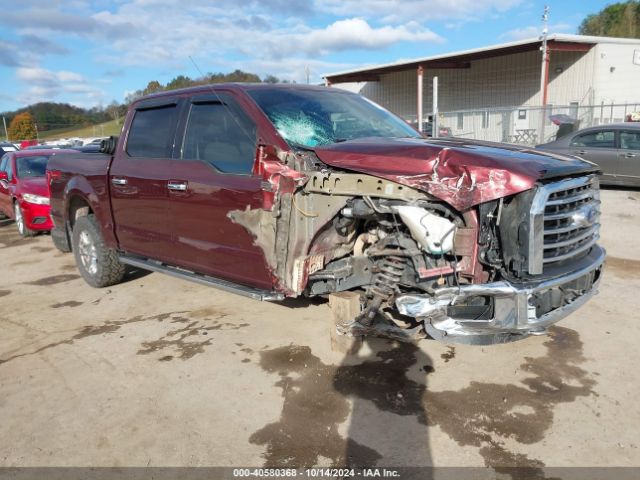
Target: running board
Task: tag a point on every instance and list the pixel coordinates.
(155, 266)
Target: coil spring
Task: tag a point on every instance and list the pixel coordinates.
(391, 270)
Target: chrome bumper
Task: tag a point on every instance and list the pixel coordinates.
(514, 314)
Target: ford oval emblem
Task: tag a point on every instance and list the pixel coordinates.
(585, 217)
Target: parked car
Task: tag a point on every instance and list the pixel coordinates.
(615, 148)
(274, 191)
(42, 147)
(7, 147)
(24, 194)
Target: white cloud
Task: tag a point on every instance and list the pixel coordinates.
(534, 31)
(351, 34)
(47, 85)
(416, 10)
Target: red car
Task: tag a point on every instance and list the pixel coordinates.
(24, 194)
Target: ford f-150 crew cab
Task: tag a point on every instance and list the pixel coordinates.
(282, 191)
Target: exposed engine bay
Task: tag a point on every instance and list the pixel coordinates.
(414, 258)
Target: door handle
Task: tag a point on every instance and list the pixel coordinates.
(580, 152)
(177, 186)
(629, 155)
(119, 181)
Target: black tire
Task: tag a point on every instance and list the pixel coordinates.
(20, 225)
(98, 265)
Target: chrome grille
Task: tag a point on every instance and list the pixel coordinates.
(564, 221)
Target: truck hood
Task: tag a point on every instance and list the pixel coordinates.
(460, 172)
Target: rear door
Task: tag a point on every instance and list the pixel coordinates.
(212, 177)
(629, 156)
(598, 146)
(139, 178)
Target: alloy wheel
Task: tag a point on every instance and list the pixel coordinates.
(19, 218)
(88, 253)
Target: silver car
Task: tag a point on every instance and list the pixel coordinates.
(615, 148)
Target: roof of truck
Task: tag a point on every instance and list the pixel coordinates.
(239, 87)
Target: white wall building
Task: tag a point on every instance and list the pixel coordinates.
(494, 92)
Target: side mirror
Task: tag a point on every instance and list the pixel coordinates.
(4, 176)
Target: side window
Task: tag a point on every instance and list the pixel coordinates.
(152, 132)
(9, 169)
(630, 140)
(221, 134)
(3, 163)
(600, 139)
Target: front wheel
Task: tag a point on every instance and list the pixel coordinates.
(98, 265)
(20, 223)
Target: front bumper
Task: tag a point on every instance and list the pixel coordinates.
(514, 306)
(36, 217)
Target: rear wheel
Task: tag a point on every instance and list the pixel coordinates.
(20, 223)
(60, 240)
(98, 265)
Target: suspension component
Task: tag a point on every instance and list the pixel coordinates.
(391, 269)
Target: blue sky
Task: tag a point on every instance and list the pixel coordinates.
(91, 52)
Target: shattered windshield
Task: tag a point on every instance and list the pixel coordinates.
(320, 117)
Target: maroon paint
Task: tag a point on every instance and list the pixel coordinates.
(460, 174)
(204, 237)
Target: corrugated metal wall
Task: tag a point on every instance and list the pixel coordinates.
(617, 78)
(509, 80)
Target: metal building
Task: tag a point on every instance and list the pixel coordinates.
(497, 92)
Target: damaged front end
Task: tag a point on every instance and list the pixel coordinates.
(483, 266)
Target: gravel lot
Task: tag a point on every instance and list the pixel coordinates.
(161, 372)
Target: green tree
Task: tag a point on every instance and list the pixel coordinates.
(180, 81)
(617, 20)
(22, 127)
(152, 87)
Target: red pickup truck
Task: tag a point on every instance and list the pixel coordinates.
(274, 191)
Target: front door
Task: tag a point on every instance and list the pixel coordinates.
(213, 177)
(139, 181)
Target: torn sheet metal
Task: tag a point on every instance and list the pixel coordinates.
(277, 178)
(459, 173)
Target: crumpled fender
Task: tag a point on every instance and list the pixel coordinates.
(459, 172)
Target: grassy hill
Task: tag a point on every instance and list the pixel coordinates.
(102, 130)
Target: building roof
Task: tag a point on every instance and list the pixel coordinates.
(461, 59)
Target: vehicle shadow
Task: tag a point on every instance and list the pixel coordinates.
(385, 377)
(134, 273)
(301, 302)
(620, 188)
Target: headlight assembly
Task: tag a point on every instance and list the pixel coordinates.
(37, 199)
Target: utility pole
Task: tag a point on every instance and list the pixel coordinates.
(435, 127)
(6, 133)
(420, 107)
(307, 73)
(544, 71)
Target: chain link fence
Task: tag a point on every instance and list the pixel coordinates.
(529, 125)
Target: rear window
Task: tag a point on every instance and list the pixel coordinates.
(630, 140)
(32, 166)
(152, 131)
